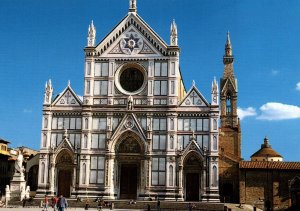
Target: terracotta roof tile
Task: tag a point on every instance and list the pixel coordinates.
(269, 165)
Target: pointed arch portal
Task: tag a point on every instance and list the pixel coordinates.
(64, 166)
(192, 167)
(129, 152)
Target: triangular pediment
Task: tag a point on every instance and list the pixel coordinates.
(131, 43)
(134, 37)
(129, 123)
(193, 146)
(64, 144)
(67, 98)
(194, 99)
(229, 84)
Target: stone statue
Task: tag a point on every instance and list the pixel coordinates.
(19, 163)
(130, 103)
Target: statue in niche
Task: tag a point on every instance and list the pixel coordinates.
(130, 103)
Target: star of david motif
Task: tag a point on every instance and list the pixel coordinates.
(131, 43)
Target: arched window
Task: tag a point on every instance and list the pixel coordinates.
(215, 143)
(42, 172)
(228, 104)
(46, 122)
(85, 141)
(172, 124)
(83, 173)
(171, 183)
(215, 125)
(44, 140)
(171, 142)
(86, 122)
(214, 177)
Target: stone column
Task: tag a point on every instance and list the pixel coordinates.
(180, 182)
(52, 181)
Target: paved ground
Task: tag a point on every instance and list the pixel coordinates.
(51, 209)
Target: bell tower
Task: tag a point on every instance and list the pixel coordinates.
(229, 90)
(230, 131)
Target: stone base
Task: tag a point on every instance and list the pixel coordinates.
(18, 187)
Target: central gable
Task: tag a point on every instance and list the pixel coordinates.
(132, 36)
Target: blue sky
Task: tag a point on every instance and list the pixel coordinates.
(43, 40)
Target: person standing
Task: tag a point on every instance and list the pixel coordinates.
(54, 203)
(62, 203)
(46, 202)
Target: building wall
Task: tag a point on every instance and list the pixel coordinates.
(159, 127)
(258, 185)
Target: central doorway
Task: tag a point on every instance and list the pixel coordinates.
(192, 187)
(128, 181)
(64, 183)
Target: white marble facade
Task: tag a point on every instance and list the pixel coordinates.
(136, 133)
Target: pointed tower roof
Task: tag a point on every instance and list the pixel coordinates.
(265, 151)
(228, 57)
(173, 28)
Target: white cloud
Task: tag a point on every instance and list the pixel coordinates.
(278, 111)
(245, 112)
(298, 86)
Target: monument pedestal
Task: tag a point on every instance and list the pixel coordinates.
(18, 187)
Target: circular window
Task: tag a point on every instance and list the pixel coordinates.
(130, 78)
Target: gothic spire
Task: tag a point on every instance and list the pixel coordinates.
(48, 92)
(228, 57)
(214, 92)
(91, 35)
(132, 6)
(173, 34)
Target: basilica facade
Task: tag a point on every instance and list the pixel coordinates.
(137, 132)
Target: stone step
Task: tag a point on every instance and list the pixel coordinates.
(125, 204)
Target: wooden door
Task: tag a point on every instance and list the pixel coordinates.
(64, 183)
(192, 187)
(128, 181)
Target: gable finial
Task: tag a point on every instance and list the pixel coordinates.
(48, 93)
(193, 83)
(69, 83)
(132, 6)
(174, 34)
(214, 92)
(91, 35)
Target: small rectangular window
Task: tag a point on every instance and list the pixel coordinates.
(54, 123)
(173, 68)
(205, 124)
(88, 68)
(158, 171)
(101, 69)
(161, 69)
(159, 142)
(88, 87)
(78, 123)
(160, 124)
(160, 87)
(97, 170)
(99, 123)
(172, 87)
